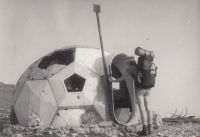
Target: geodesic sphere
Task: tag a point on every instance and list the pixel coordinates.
(66, 84)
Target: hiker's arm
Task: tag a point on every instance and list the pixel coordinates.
(119, 79)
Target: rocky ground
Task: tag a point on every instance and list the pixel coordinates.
(170, 128)
(103, 129)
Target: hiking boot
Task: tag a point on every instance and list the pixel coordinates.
(150, 128)
(144, 131)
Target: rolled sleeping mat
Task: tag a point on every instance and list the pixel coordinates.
(142, 52)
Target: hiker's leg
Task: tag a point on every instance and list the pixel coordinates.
(149, 112)
(144, 132)
(140, 100)
(148, 109)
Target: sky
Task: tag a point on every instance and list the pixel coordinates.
(31, 29)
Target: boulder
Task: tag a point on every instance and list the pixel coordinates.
(157, 119)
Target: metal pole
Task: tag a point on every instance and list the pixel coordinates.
(97, 10)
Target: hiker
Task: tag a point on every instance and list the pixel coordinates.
(147, 74)
(143, 86)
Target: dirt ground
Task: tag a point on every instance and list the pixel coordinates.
(177, 130)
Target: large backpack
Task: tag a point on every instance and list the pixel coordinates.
(148, 70)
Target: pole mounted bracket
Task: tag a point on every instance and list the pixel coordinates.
(96, 8)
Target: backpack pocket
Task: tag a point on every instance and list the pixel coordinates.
(147, 80)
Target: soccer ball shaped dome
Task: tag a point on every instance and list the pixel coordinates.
(63, 87)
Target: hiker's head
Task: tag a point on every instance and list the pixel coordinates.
(130, 60)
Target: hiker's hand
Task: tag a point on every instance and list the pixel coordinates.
(110, 79)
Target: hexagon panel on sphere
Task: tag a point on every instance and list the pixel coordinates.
(92, 81)
(53, 69)
(91, 58)
(86, 97)
(36, 97)
(57, 84)
(37, 73)
(67, 117)
(67, 99)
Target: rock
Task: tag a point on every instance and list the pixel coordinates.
(7, 125)
(68, 127)
(35, 127)
(51, 127)
(37, 119)
(59, 135)
(114, 131)
(75, 126)
(133, 134)
(120, 134)
(40, 131)
(85, 125)
(178, 136)
(39, 135)
(116, 125)
(40, 123)
(85, 136)
(62, 128)
(127, 135)
(28, 129)
(29, 133)
(108, 131)
(62, 132)
(160, 134)
(94, 125)
(87, 130)
(79, 130)
(32, 122)
(17, 135)
(167, 136)
(138, 127)
(123, 130)
(114, 136)
(130, 129)
(97, 131)
(4, 130)
(9, 132)
(49, 131)
(55, 131)
(74, 135)
(157, 120)
(67, 131)
(106, 124)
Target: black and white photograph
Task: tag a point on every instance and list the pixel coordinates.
(99, 68)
